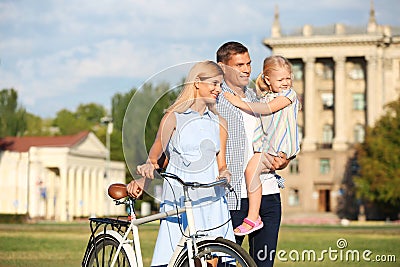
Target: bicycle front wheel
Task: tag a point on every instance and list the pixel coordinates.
(103, 251)
(218, 252)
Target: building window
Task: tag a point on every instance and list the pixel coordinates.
(357, 72)
(300, 133)
(294, 166)
(297, 71)
(327, 134)
(294, 199)
(327, 101)
(328, 71)
(324, 166)
(300, 97)
(359, 133)
(358, 101)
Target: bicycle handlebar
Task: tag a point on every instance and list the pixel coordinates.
(117, 191)
(221, 181)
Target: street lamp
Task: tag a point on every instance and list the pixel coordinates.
(109, 122)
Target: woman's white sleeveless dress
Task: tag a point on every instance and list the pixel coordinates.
(192, 156)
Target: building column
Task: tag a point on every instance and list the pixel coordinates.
(86, 193)
(50, 213)
(79, 195)
(100, 207)
(93, 190)
(310, 140)
(63, 195)
(33, 175)
(379, 90)
(388, 84)
(372, 86)
(71, 194)
(339, 141)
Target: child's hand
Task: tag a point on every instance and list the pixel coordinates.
(233, 99)
(281, 161)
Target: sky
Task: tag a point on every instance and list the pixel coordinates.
(58, 54)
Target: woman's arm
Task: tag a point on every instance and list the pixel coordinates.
(274, 105)
(164, 133)
(221, 156)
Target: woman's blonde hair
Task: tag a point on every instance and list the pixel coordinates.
(272, 63)
(200, 71)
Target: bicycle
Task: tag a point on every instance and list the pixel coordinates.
(110, 244)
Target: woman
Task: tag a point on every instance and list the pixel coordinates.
(193, 136)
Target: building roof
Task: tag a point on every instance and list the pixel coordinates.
(387, 31)
(22, 144)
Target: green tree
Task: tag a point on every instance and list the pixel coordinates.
(92, 113)
(379, 160)
(12, 115)
(68, 123)
(157, 111)
(119, 104)
(86, 117)
(130, 110)
(35, 125)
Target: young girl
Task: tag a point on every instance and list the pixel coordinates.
(194, 137)
(276, 133)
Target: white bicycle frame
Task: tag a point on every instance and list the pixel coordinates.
(189, 238)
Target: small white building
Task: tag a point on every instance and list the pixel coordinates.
(57, 178)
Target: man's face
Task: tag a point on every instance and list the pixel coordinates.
(237, 70)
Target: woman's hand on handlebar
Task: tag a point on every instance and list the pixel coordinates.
(135, 187)
(147, 169)
(225, 174)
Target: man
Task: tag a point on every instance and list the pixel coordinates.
(235, 61)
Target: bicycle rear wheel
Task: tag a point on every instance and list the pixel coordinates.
(103, 250)
(223, 251)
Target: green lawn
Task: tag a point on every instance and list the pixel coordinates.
(42, 245)
(342, 246)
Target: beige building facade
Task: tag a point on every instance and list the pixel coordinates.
(58, 178)
(344, 76)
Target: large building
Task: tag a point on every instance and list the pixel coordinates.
(344, 76)
(58, 178)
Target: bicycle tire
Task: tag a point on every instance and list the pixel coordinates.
(102, 252)
(228, 253)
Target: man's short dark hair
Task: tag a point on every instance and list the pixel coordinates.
(229, 49)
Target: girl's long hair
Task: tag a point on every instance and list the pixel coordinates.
(200, 71)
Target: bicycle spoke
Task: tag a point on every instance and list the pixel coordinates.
(220, 252)
(104, 251)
